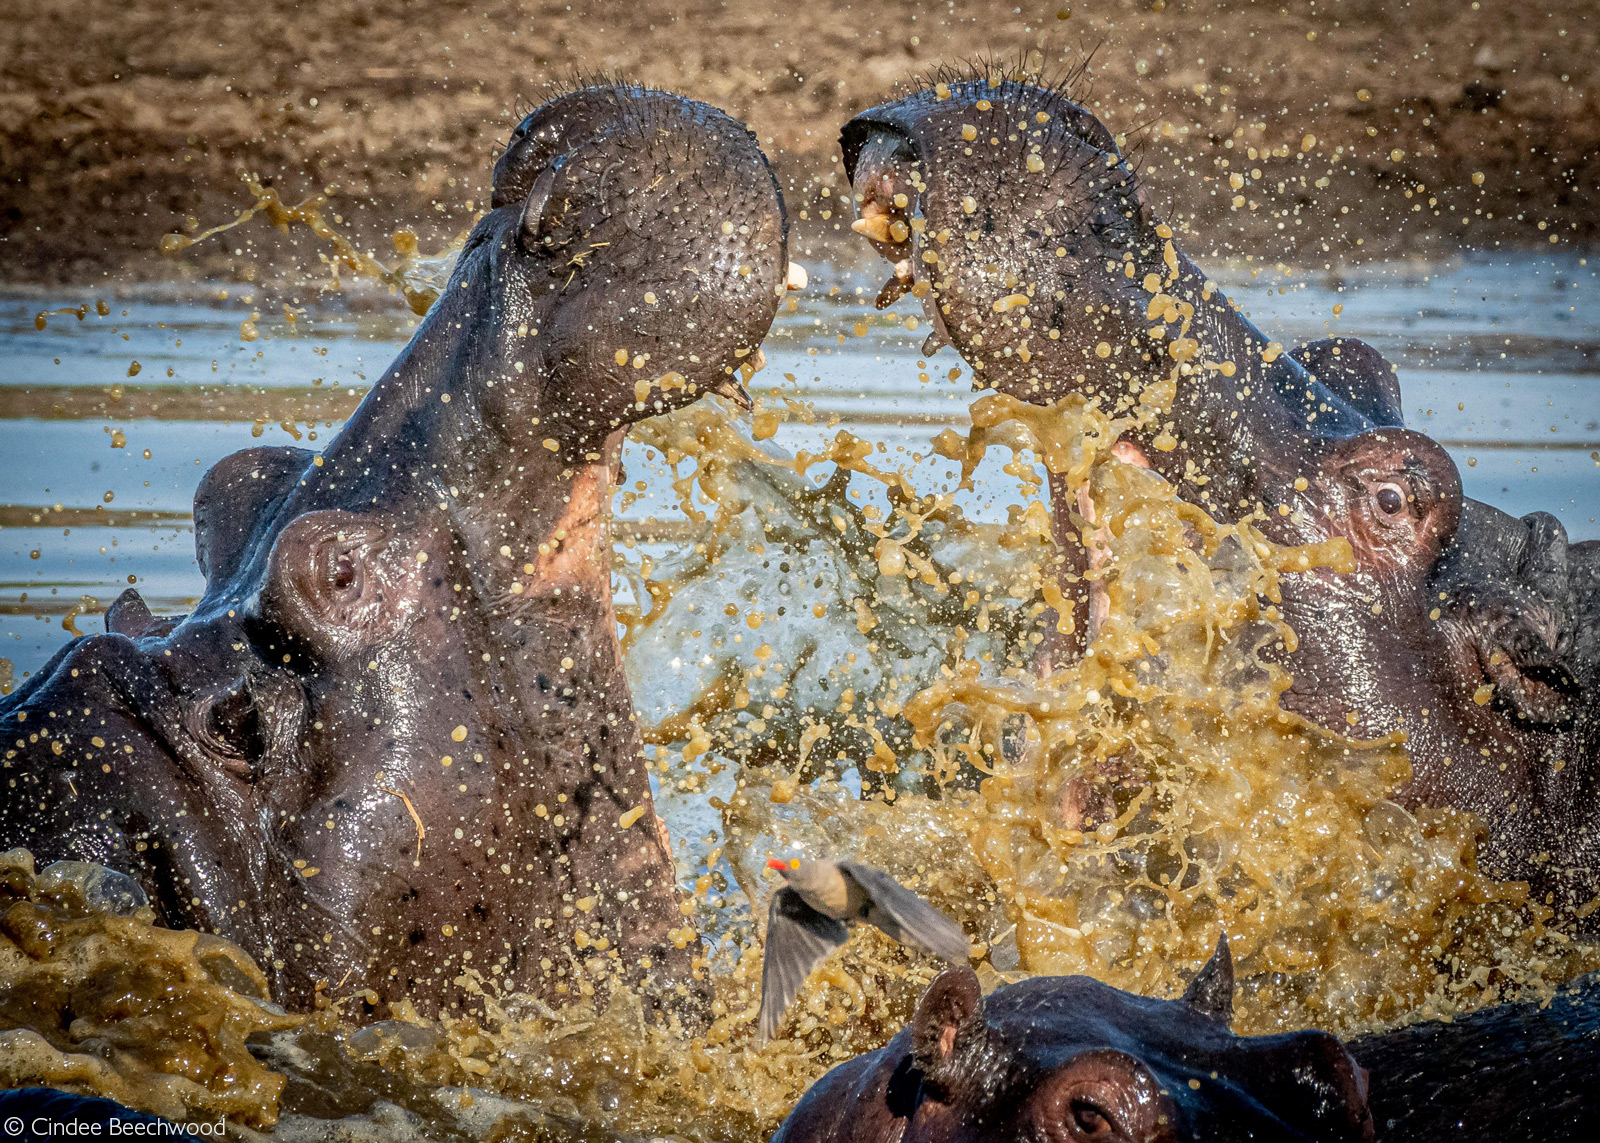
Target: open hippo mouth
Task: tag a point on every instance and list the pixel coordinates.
(998, 124)
(887, 210)
(1009, 211)
(393, 742)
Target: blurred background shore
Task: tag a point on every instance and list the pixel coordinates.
(1354, 129)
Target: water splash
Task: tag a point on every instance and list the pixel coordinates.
(417, 277)
(829, 661)
(101, 1001)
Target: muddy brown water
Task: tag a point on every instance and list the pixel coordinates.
(789, 646)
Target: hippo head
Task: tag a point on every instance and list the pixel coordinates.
(1465, 629)
(617, 331)
(393, 743)
(1012, 213)
(1072, 1060)
(1008, 210)
(1485, 659)
(1014, 216)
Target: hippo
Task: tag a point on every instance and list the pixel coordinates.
(1068, 1058)
(1013, 215)
(1515, 1070)
(392, 751)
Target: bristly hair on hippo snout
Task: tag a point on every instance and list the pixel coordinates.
(1013, 214)
(638, 250)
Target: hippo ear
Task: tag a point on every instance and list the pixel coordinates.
(949, 1017)
(129, 615)
(1210, 993)
(345, 581)
(1358, 373)
(233, 496)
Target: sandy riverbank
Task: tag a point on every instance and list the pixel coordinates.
(119, 120)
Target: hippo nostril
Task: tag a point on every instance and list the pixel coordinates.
(1090, 1120)
(1391, 500)
(227, 724)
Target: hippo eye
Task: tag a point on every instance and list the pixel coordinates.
(344, 572)
(1391, 499)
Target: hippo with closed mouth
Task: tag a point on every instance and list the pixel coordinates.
(1071, 1060)
(1012, 214)
(392, 747)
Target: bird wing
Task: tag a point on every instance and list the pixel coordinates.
(797, 938)
(908, 918)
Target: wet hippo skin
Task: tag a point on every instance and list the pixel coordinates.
(1012, 214)
(1067, 1058)
(393, 743)
(1519, 1071)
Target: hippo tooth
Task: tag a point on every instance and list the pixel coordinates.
(894, 289)
(796, 277)
(875, 227)
(734, 391)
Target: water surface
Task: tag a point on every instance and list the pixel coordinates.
(1499, 360)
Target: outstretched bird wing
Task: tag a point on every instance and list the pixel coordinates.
(797, 938)
(906, 917)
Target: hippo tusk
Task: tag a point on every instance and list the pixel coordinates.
(734, 391)
(796, 278)
(875, 227)
(893, 290)
(1129, 453)
(897, 286)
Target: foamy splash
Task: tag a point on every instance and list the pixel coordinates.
(852, 675)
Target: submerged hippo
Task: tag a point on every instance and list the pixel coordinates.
(1010, 211)
(1071, 1059)
(1523, 1070)
(392, 747)
(1068, 1058)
